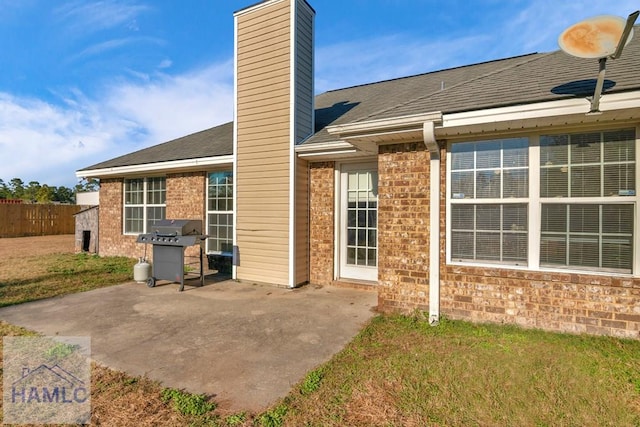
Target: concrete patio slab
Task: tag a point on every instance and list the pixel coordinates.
(245, 344)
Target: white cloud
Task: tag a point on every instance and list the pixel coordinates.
(80, 16)
(165, 63)
(102, 47)
(173, 106)
(39, 141)
(48, 143)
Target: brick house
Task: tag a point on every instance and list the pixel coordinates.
(482, 192)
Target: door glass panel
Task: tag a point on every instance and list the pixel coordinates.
(362, 198)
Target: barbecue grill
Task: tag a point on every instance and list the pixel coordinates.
(170, 238)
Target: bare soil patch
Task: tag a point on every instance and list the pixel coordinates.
(16, 247)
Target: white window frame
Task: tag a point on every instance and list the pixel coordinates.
(535, 205)
(230, 212)
(144, 205)
(477, 201)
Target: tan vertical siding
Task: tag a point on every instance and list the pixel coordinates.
(263, 143)
(302, 222)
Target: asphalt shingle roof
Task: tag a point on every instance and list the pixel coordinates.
(519, 80)
(216, 141)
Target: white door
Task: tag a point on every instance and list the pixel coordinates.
(359, 222)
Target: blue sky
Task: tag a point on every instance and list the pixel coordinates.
(84, 81)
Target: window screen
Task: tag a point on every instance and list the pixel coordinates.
(487, 224)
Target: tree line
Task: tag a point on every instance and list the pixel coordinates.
(34, 192)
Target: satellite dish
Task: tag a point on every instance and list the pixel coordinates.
(598, 37)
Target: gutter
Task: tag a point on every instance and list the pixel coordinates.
(153, 167)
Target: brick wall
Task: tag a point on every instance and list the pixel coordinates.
(185, 200)
(576, 303)
(186, 193)
(112, 241)
(403, 227)
(554, 301)
(321, 222)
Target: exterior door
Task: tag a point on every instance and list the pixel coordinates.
(359, 222)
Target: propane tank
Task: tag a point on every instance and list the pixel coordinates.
(141, 271)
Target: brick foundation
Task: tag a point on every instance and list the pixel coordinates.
(576, 303)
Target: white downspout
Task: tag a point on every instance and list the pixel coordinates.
(434, 222)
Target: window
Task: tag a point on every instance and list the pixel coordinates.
(220, 212)
(582, 200)
(592, 174)
(489, 188)
(144, 203)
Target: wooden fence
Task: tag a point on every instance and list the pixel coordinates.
(36, 220)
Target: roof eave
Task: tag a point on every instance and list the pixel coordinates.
(169, 166)
(567, 112)
(620, 107)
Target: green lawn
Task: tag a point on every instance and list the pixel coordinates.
(401, 372)
(47, 276)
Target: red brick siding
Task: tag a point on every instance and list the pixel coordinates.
(185, 200)
(112, 241)
(321, 222)
(555, 301)
(578, 303)
(186, 193)
(403, 227)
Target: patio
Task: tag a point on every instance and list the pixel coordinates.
(245, 344)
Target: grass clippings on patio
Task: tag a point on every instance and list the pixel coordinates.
(32, 278)
(401, 372)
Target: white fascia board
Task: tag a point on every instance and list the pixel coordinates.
(325, 146)
(568, 107)
(362, 128)
(170, 166)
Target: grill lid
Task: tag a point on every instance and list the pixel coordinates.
(177, 227)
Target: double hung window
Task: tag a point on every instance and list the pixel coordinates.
(563, 201)
(587, 190)
(144, 203)
(489, 189)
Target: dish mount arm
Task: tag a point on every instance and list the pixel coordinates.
(595, 101)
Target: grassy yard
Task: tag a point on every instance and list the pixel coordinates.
(401, 372)
(31, 278)
(397, 372)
